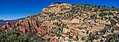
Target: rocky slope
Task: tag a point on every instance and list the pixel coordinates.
(62, 22)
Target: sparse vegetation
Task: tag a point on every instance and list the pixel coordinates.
(13, 36)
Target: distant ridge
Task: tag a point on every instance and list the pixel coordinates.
(2, 22)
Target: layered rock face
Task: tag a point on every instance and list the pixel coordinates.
(69, 23)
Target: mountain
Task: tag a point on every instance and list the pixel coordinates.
(2, 22)
(63, 22)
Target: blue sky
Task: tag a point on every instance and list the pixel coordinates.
(14, 9)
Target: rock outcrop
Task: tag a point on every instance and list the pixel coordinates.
(66, 22)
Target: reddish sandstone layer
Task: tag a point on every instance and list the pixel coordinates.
(25, 25)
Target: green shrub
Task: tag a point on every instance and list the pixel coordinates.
(114, 39)
(90, 37)
(13, 36)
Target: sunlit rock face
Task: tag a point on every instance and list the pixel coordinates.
(58, 8)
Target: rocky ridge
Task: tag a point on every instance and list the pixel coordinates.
(69, 23)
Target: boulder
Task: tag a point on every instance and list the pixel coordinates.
(75, 21)
(65, 30)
